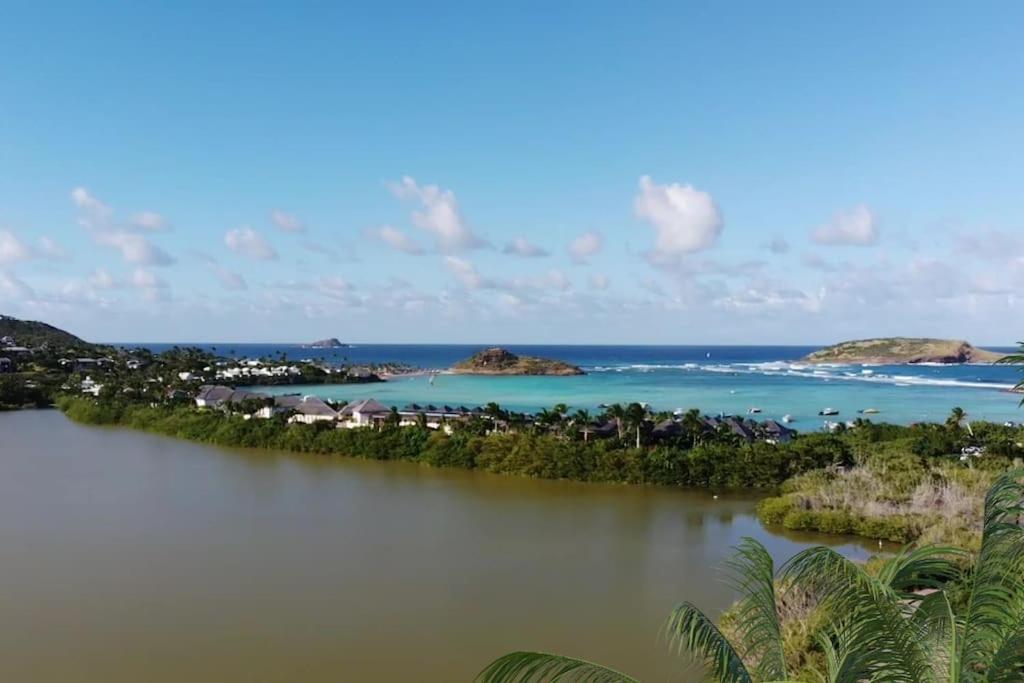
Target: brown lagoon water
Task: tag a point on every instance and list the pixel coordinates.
(131, 557)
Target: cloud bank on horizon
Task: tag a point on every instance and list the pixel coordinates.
(783, 188)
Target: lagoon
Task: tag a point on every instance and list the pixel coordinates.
(128, 556)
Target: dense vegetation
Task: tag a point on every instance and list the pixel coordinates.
(905, 486)
(716, 465)
(32, 333)
(927, 615)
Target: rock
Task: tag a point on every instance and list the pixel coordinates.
(498, 361)
(331, 343)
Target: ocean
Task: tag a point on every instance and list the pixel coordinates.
(714, 379)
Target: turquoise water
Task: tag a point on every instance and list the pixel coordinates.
(728, 380)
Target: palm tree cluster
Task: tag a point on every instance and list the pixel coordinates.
(898, 625)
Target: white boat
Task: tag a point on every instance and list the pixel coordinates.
(753, 411)
(828, 411)
(787, 418)
(870, 411)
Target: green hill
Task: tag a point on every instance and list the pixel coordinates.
(898, 350)
(35, 334)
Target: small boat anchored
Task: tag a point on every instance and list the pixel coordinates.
(869, 411)
(828, 411)
(787, 418)
(753, 411)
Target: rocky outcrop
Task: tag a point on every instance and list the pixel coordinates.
(900, 350)
(497, 361)
(331, 343)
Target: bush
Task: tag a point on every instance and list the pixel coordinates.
(774, 510)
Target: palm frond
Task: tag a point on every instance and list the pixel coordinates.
(868, 613)
(1007, 665)
(843, 663)
(924, 567)
(1015, 359)
(939, 632)
(752, 575)
(688, 628)
(541, 667)
(996, 608)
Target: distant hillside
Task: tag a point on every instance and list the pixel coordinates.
(898, 350)
(498, 361)
(33, 334)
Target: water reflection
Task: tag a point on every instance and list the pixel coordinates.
(131, 557)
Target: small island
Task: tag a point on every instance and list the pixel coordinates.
(498, 361)
(332, 343)
(902, 350)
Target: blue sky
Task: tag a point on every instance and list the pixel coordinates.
(544, 172)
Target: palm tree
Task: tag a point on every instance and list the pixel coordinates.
(873, 628)
(582, 420)
(617, 413)
(636, 416)
(693, 426)
(957, 418)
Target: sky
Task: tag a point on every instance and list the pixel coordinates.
(571, 172)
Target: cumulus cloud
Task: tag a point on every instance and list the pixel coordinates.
(51, 249)
(148, 221)
(521, 247)
(685, 219)
(599, 281)
(286, 222)
(396, 239)
(12, 249)
(14, 288)
(466, 273)
(855, 227)
(152, 287)
(98, 218)
(247, 242)
(585, 246)
(439, 215)
(816, 262)
(992, 245)
(135, 249)
(778, 246)
(102, 279)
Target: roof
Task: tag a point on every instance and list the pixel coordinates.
(214, 393)
(367, 406)
(311, 405)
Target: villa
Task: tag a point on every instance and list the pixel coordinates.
(364, 413)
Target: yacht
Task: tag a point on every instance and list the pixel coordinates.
(828, 411)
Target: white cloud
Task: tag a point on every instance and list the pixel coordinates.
(12, 249)
(778, 246)
(135, 249)
(12, 287)
(95, 211)
(148, 221)
(521, 247)
(466, 273)
(396, 239)
(145, 279)
(685, 219)
(993, 245)
(855, 227)
(585, 246)
(599, 281)
(816, 262)
(249, 243)
(439, 215)
(286, 222)
(102, 279)
(51, 249)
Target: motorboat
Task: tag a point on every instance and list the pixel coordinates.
(787, 418)
(828, 411)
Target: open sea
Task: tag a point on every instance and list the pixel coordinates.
(714, 379)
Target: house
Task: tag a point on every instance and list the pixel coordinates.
(364, 413)
(89, 386)
(776, 432)
(310, 409)
(213, 395)
(666, 429)
(6, 365)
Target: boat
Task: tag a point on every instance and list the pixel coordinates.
(787, 418)
(753, 411)
(869, 411)
(828, 411)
